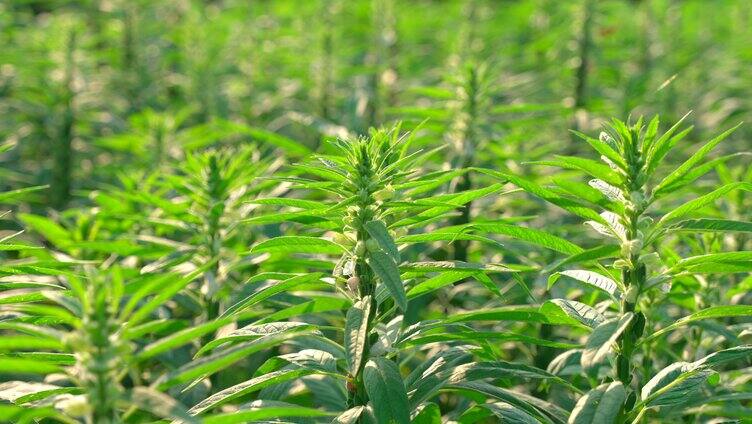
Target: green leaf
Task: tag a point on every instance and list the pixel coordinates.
(709, 313)
(568, 204)
(387, 270)
(48, 228)
(500, 370)
(482, 337)
(316, 304)
(311, 359)
(297, 244)
(502, 411)
(429, 414)
(377, 230)
(659, 148)
(268, 291)
(289, 145)
(160, 404)
(265, 411)
(222, 359)
(716, 262)
(709, 224)
(254, 331)
(603, 148)
(386, 390)
(530, 235)
(693, 161)
(591, 278)
(603, 336)
(701, 201)
(581, 312)
(444, 234)
(163, 295)
(12, 247)
(724, 356)
(437, 282)
(13, 194)
(351, 416)
(698, 172)
(673, 384)
(447, 266)
(26, 366)
(511, 313)
(600, 406)
(289, 201)
(356, 333)
(180, 338)
(600, 252)
(13, 342)
(20, 392)
(593, 168)
(544, 411)
(250, 386)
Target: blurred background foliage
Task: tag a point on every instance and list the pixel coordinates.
(91, 88)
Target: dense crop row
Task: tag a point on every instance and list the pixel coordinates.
(414, 251)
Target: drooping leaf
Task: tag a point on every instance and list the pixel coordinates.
(379, 232)
(356, 333)
(600, 342)
(160, 404)
(387, 271)
(591, 278)
(502, 411)
(386, 390)
(581, 312)
(600, 405)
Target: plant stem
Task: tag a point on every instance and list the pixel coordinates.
(465, 140)
(61, 173)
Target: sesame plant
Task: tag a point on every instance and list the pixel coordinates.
(640, 274)
(374, 212)
(358, 373)
(82, 338)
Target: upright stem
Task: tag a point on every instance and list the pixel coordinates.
(581, 74)
(213, 235)
(361, 214)
(465, 140)
(129, 57)
(63, 152)
(584, 55)
(381, 59)
(326, 71)
(634, 274)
